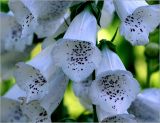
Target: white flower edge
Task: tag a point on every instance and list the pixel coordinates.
(11, 35)
(146, 107)
(11, 111)
(114, 91)
(77, 58)
(138, 20)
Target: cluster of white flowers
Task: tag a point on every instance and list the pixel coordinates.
(42, 81)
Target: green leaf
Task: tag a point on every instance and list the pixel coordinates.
(4, 6)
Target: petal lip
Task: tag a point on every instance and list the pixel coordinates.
(77, 58)
(31, 81)
(114, 91)
(137, 25)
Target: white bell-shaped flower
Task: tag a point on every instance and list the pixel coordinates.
(114, 88)
(146, 107)
(107, 13)
(23, 16)
(138, 19)
(11, 111)
(38, 76)
(81, 90)
(77, 53)
(35, 112)
(47, 16)
(11, 33)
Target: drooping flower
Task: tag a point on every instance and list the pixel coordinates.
(138, 19)
(120, 118)
(23, 16)
(107, 13)
(11, 32)
(15, 109)
(114, 88)
(35, 112)
(77, 53)
(42, 17)
(39, 76)
(11, 111)
(146, 107)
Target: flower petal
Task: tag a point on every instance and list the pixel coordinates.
(77, 58)
(52, 27)
(35, 112)
(146, 107)
(107, 13)
(114, 91)
(11, 111)
(127, 118)
(110, 61)
(11, 34)
(49, 15)
(56, 91)
(23, 16)
(81, 90)
(32, 81)
(83, 27)
(152, 94)
(15, 93)
(137, 26)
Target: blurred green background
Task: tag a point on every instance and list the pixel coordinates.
(132, 57)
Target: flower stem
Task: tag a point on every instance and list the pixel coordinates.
(149, 73)
(95, 119)
(58, 113)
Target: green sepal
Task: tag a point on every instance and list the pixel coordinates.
(104, 43)
(78, 8)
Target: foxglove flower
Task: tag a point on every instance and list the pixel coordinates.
(107, 13)
(77, 53)
(38, 76)
(16, 110)
(138, 19)
(42, 17)
(114, 88)
(146, 107)
(81, 90)
(11, 32)
(35, 112)
(23, 16)
(121, 118)
(11, 111)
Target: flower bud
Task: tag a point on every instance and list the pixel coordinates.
(152, 50)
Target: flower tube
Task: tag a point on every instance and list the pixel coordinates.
(38, 76)
(42, 17)
(146, 106)
(77, 53)
(114, 88)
